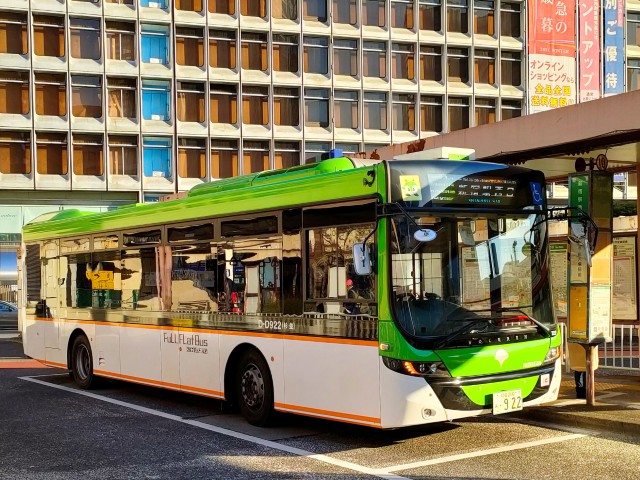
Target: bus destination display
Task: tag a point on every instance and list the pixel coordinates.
(490, 191)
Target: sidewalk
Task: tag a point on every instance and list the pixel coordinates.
(617, 408)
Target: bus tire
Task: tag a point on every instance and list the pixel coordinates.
(254, 389)
(82, 363)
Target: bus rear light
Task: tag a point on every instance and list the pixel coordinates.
(516, 321)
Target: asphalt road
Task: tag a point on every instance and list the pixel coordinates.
(51, 430)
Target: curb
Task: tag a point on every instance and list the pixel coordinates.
(581, 420)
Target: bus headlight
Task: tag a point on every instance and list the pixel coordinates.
(419, 369)
(552, 355)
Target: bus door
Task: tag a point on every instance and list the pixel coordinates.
(53, 270)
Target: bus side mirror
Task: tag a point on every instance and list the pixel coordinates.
(361, 259)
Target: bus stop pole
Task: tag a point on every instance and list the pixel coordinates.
(591, 352)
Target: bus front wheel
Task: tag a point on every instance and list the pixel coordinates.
(254, 389)
(82, 363)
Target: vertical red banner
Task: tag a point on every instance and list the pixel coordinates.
(552, 54)
(589, 49)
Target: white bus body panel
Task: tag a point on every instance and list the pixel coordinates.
(200, 370)
(141, 354)
(338, 380)
(414, 393)
(33, 338)
(106, 355)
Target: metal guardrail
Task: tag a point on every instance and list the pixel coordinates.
(624, 351)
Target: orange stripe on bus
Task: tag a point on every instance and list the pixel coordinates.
(301, 338)
(50, 363)
(146, 381)
(317, 411)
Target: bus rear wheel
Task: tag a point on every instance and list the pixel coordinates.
(82, 363)
(254, 389)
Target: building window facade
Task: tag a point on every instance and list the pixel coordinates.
(122, 94)
(458, 65)
(255, 105)
(48, 36)
(14, 92)
(511, 109)
(375, 110)
(222, 49)
(156, 100)
(189, 5)
(15, 153)
(190, 102)
(633, 74)
(315, 10)
(254, 51)
(402, 14)
(154, 44)
(430, 15)
(404, 112)
(255, 156)
(223, 103)
(284, 9)
(86, 96)
(156, 156)
(51, 153)
(511, 65)
(345, 11)
(345, 105)
(285, 53)
(224, 158)
(345, 57)
(316, 107)
(403, 61)
(51, 94)
(192, 158)
(485, 66)
(87, 155)
(286, 154)
(85, 38)
(374, 59)
(253, 8)
(431, 63)
(13, 33)
(224, 7)
(190, 47)
(458, 113)
(510, 23)
(374, 13)
(121, 41)
(123, 155)
(431, 113)
(286, 105)
(484, 17)
(485, 111)
(458, 16)
(316, 55)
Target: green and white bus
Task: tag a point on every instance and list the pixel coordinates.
(385, 294)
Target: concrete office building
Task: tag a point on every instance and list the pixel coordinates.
(106, 102)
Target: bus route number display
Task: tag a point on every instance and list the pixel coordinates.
(450, 189)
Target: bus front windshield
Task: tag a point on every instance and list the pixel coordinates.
(452, 271)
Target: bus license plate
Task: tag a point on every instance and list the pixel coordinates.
(508, 401)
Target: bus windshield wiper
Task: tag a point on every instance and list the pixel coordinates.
(541, 326)
(466, 329)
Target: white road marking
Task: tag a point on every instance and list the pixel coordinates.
(608, 395)
(230, 433)
(386, 473)
(482, 453)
